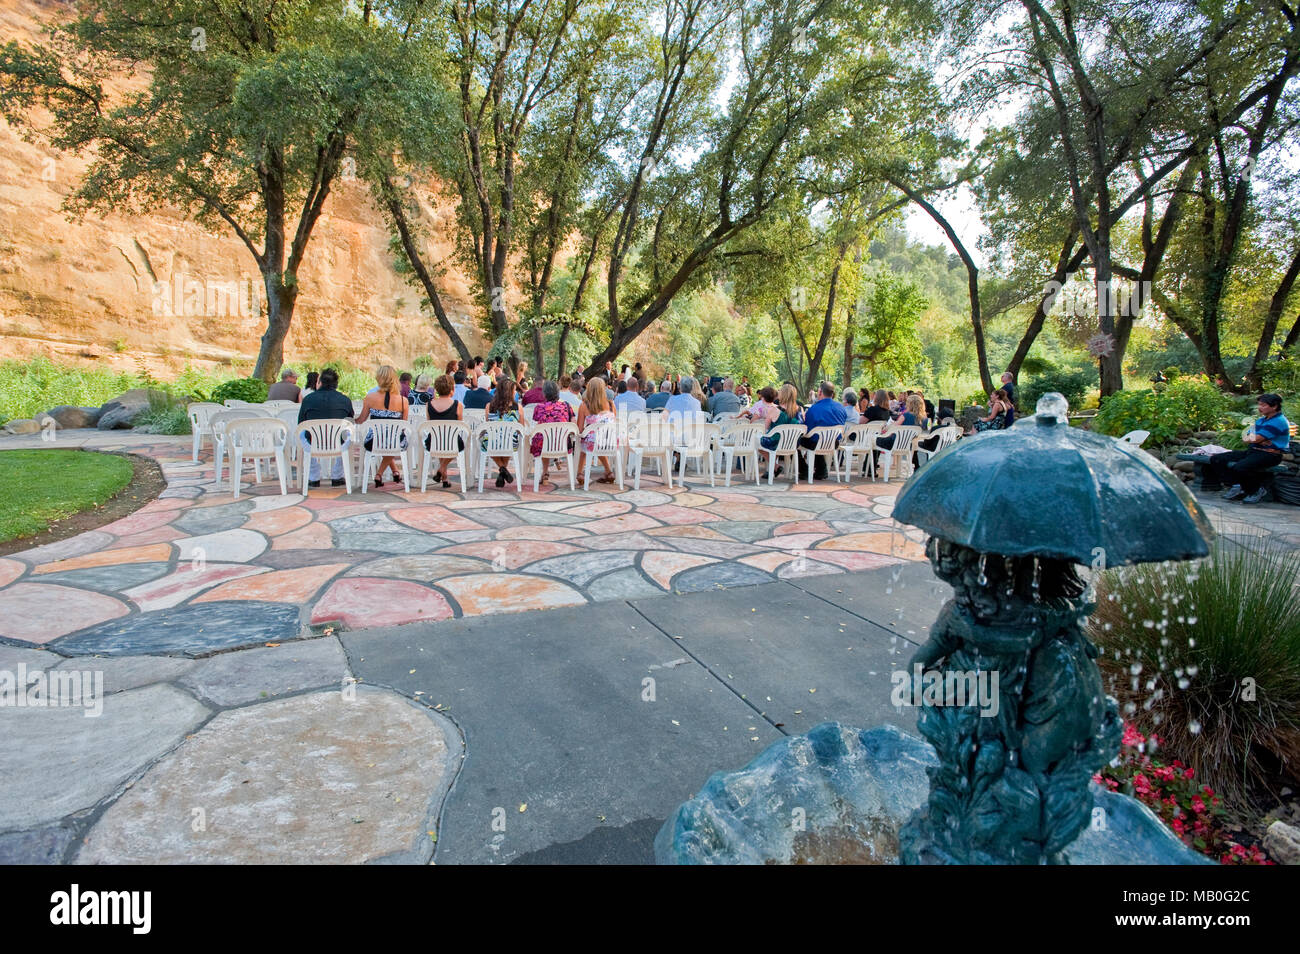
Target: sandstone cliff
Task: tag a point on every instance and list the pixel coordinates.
(158, 291)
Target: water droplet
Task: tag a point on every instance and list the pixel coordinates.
(1194, 727)
(1184, 682)
(1191, 621)
(1135, 668)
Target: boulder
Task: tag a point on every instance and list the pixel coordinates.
(1207, 436)
(67, 415)
(22, 425)
(122, 411)
(1282, 842)
(1184, 466)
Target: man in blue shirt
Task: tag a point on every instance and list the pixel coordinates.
(825, 412)
(628, 399)
(458, 393)
(659, 399)
(1244, 469)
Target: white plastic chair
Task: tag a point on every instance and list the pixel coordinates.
(257, 439)
(787, 446)
(651, 439)
(448, 441)
(327, 440)
(218, 423)
(605, 443)
(234, 403)
(947, 435)
(859, 439)
(292, 449)
(740, 441)
(388, 438)
(558, 440)
(503, 439)
(278, 406)
(529, 410)
(200, 414)
(901, 451)
(1136, 438)
(695, 441)
(828, 439)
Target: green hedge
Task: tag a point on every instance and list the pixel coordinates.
(252, 390)
(1187, 404)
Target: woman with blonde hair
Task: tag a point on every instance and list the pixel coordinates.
(595, 409)
(788, 412)
(384, 403)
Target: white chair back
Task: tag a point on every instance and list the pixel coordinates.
(257, 437)
(233, 402)
(500, 437)
(744, 437)
(863, 434)
(529, 410)
(787, 437)
(200, 413)
(278, 406)
(220, 420)
(605, 437)
(1136, 438)
(656, 433)
(475, 415)
(327, 437)
(442, 437)
(556, 438)
(388, 437)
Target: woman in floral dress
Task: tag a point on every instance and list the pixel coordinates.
(551, 410)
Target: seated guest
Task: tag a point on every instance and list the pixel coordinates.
(569, 392)
(286, 389)
(824, 412)
(723, 401)
(629, 398)
(458, 386)
(660, 398)
(385, 403)
(326, 403)
(404, 380)
(1001, 413)
(443, 406)
(914, 411)
(879, 409)
(684, 402)
(595, 409)
(481, 396)
(312, 378)
(764, 410)
(851, 415)
(502, 408)
(550, 410)
(787, 412)
(1269, 438)
(422, 393)
(534, 395)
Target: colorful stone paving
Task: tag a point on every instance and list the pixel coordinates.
(195, 571)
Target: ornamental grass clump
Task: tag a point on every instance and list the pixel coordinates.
(1207, 655)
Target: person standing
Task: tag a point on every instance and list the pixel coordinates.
(1266, 441)
(1009, 385)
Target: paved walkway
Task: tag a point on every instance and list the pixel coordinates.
(196, 572)
(219, 721)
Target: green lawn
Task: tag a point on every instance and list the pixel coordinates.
(42, 486)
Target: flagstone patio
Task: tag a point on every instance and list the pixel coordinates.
(195, 571)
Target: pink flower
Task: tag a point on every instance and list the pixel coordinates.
(1131, 735)
(1198, 804)
(1140, 784)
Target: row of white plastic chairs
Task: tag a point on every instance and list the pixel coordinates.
(262, 433)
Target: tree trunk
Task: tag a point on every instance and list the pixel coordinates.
(398, 215)
(1275, 307)
(1066, 266)
(280, 300)
(562, 354)
(848, 354)
(539, 359)
(815, 359)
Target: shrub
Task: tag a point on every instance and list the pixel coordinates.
(252, 390)
(1194, 812)
(1209, 655)
(1187, 404)
(1070, 382)
(1282, 375)
(164, 417)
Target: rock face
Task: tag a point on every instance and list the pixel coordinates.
(840, 795)
(65, 415)
(122, 411)
(23, 425)
(157, 290)
(1282, 842)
